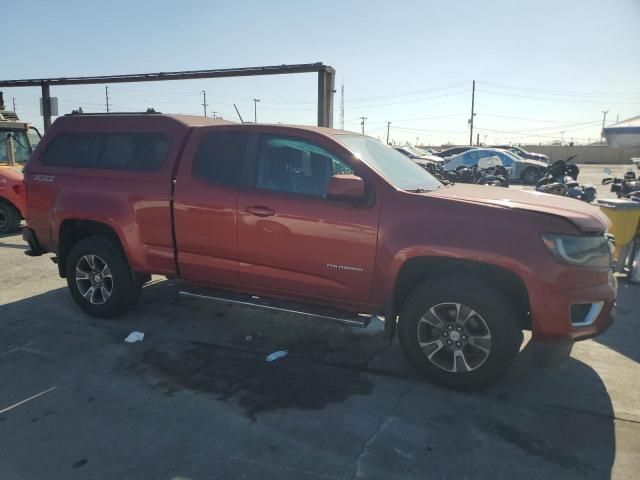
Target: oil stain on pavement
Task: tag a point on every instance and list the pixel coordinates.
(256, 385)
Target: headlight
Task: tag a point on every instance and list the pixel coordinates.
(582, 250)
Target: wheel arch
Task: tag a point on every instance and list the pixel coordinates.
(72, 230)
(419, 269)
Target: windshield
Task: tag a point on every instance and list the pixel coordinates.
(399, 170)
(21, 148)
(511, 155)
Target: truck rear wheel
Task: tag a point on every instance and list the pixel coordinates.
(100, 279)
(458, 333)
(9, 218)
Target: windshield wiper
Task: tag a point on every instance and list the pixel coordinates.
(417, 190)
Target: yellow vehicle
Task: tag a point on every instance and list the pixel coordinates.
(17, 141)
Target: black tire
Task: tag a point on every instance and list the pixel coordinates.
(9, 218)
(124, 292)
(493, 310)
(531, 175)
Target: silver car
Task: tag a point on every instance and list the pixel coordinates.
(528, 171)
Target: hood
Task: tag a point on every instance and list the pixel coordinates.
(536, 163)
(11, 173)
(587, 217)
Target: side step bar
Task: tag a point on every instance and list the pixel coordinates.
(330, 314)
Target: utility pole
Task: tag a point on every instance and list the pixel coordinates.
(204, 101)
(213, 115)
(485, 139)
(362, 119)
(342, 107)
(106, 96)
(473, 98)
(388, 125)
(477, 139)
(255, 110)
(604, 117)
(14, 104)
(618, 118)
(238, 112)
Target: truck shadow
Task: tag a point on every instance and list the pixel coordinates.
(560, 418)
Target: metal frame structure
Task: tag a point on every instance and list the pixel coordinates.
(326, 83)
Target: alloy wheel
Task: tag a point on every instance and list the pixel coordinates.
(94, 279)
(454, 337)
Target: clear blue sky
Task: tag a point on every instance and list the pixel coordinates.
(541, 67)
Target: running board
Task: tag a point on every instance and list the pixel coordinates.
(330, 314)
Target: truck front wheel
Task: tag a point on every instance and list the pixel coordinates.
(459, 333)
(99, 278)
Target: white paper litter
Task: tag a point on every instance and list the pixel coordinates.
(276, 355)
(134, 337)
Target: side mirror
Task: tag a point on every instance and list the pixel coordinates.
(345, 187)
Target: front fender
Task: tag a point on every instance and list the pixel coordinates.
(465, 254)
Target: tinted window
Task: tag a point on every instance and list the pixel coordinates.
(220, 157)
(111, 151)
(296, 166)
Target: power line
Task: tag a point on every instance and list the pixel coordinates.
(405, 94)
(531, 97)
(560, 92)
(415, 100)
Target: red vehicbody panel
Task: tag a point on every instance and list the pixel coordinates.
(205, 223)
(308, 245)
(135, 204)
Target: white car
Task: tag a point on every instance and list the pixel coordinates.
(416, 154)
(528, 171)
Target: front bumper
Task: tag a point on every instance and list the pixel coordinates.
(554, 330)
(551, 352)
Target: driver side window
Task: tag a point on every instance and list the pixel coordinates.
(296, 166)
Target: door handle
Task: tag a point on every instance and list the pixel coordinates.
(260, 211)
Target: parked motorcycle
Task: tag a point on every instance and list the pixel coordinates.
(561, 178)
(495, 175)
(626, 187)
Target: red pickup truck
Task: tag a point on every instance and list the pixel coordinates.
(322, 222)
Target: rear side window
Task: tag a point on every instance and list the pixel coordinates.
(142, 152)
(220, 157)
